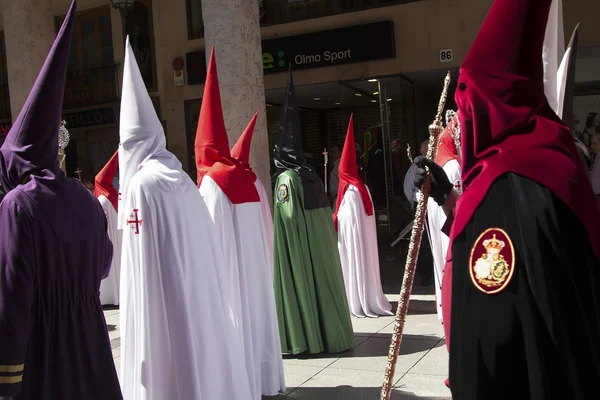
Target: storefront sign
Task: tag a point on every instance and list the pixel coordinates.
(334, 47)
(89, 118)
(354, 44)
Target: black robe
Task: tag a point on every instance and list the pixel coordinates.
(539, 338)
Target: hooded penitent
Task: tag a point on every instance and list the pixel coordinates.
(506, 122)
(32, 142)
(103, 184)
(212, 146)
(141, 132)
(348, 174)
(241, 150)
(288, 151)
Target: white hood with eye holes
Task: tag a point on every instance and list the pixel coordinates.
(141, 133)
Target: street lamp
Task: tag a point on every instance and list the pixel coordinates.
(123, 6)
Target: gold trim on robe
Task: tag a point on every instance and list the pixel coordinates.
(12, 368)
(11, 379)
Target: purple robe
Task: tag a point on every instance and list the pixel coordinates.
(54, 344)
(54, 251)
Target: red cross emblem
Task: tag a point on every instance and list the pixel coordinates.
(458, 187)
(133, 222)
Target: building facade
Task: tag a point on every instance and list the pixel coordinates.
(383, 60)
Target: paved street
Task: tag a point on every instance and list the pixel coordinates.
(358, 373)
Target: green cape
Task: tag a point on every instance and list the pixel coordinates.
(309, 286)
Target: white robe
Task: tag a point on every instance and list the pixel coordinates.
(436, 219)
(357, 243)
(109, 287)
(177, 341)
(268, 220)
(241, 231)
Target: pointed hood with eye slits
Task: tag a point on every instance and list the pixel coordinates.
(32, 142)
(288, 151)
(212, 145)
(103, 183)
(348, 174)
(141, 133)
(506, 122)
(241, 150)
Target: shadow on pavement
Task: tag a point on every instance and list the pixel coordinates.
(349, 393)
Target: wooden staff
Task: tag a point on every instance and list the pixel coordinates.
(435, 129)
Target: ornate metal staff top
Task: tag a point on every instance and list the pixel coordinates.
(435, 129)
(63, 142)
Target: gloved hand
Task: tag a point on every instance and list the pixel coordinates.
(440, 184)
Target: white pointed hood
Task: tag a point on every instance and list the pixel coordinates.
(140, 131)
(554, 48)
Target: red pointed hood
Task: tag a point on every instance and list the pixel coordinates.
(103, 184)
(212, 146)
(348, 174)
(446, 147)
(506, 122)
(241, 150)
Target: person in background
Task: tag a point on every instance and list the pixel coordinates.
(592, 127)
(595, 174)
(410, 191)
(334, 180)
(425, 260)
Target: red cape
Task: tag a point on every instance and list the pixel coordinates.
(447, 148)
(348, 174)
(103, 183)
(212, 146)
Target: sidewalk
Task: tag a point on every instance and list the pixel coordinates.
(357, 374)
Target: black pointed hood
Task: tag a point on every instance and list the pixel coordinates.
(32, 142)
(288, 151)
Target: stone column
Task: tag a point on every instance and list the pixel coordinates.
(233, 27)
(29, 33)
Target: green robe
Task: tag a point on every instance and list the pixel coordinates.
(309, 286)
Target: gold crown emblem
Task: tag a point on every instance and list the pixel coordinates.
(494, 244)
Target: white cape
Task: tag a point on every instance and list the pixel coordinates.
(177, 341)
(357, 243)
(268, 220)
(436, 219)
(240, 230)
(109, 287)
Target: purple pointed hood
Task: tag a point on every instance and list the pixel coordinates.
(32, 142)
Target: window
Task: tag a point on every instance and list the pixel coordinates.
(92, 45)
(194, 19)
(92, 76)
(4, 93)
(141, 37)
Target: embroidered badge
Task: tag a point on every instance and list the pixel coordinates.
(134, 222)
(492, 261)
(282, 193)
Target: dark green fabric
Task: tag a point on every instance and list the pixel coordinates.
(309, 286)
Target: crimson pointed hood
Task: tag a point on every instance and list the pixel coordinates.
(103, 183)
(506, 122)
(212, 145)
(32, 142)
(348, 174)
(241, 150)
